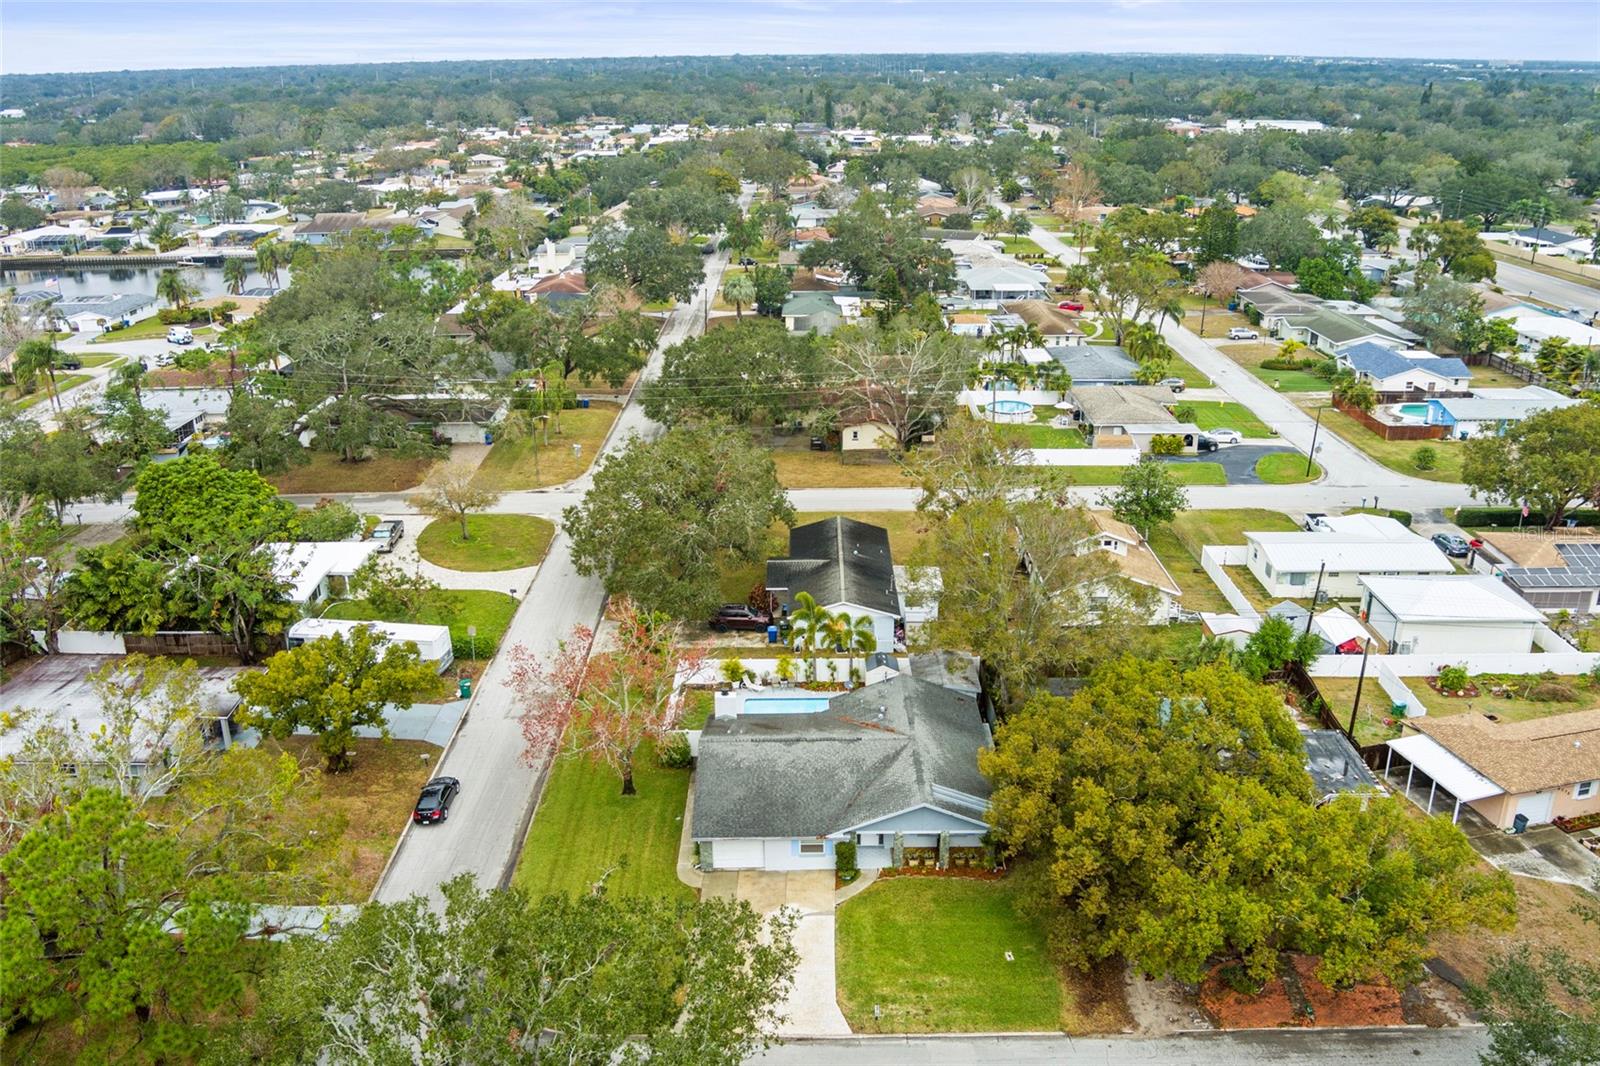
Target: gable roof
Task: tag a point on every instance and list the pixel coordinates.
(837, 560)
(1456, 598)
(1334, 764)
(1539, 753)
(570, 283)
(1380, 362)
(1381, 545)
(1095, 362)
(1124, 405)
(1336, 326)
(876, 751)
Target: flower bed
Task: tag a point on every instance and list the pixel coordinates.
(1578, 824)
(1296, 998)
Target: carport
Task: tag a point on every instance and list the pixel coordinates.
(1442, 769)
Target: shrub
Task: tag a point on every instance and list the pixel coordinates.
(1512, 517)
(1426, 457)
(734, 672)
(844, 858)
(174, 316)
(673, 752)
(1552, 692)
(1453, 678)
(1184, 412)
(786, 668)
(1166, 444)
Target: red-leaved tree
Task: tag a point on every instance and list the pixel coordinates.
(605, 704)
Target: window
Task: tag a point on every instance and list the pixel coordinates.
(855, 434)
(1584, 789)
(1298, 578)
(813, 847)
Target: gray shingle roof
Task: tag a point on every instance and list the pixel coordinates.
(874, 752)
(1096, 363)
(837, 560)
(1334, 764)
(1381, 362)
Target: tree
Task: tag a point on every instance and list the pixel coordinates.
(176, 289)
(1217, 235)
(449, 493)
(117, 588)
(740, 291)
(1075, 189)
(1220, 281)
(597, 337)
(735, 374)
(329, 520)
(499, 977)
(132, 431)
(235, 273)
(1140, 840)
(1499, 335)
(1274, 645)
(260, 433)
(1448, 314)
(17, 214)
(646, 259)
(33, 573)
(1146, 496)
(808, 623)
(1281, 234)
(1147, 347)
(68, 184)
(332, 686)
(664, 515)
(899, 375)
(62, 467)
(972, 187)
(1528, 1026)
(399, 595)
(1351, 391)
(883, 250)
(604, 705)
(1322, 277)
(772, 289)
(510, 228)
(1549, 461)
(1456, 247)
(1131, 281)
(31, 359)
(1378, 226)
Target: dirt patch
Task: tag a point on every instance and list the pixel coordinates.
(1295, 998)
(1096, 1003)
(1546, 921)
(1160, 1006)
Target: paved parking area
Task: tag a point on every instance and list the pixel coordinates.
(1238, 461)
(812, 1006)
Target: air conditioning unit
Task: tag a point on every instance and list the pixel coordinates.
(1322, 597)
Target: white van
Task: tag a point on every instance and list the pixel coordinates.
(180, 335)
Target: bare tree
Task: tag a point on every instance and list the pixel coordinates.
(1076, 188)
(901, 377)
(1219, 281)
(68, 185)
(449, 493)
(972, 185)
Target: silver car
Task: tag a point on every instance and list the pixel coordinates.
(388, 534)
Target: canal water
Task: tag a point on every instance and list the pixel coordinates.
(129, 281)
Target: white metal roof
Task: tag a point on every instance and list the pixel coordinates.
(313, 628)
(306, 563)
(1451, 774)
(1337, 626)
(1363, 546)
(1457, 598)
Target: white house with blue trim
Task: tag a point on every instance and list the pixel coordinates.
(783, 777)
(1490, 412)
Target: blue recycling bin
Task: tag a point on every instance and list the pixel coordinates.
(772, 634)
(583, 402)
(488, 437)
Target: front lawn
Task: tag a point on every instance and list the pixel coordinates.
(325, 472)
(41, 391)
(1399, 455)
(489, 611)
(1251, 354)
(99, 360)
(1195, 529)
(931, 954)
(1286, 468)
(1183, 473)
(151, 328)
(510, 464)
(804, 469)
(496, 542)
(1226, 414)
(585, 826)
(1020, 246)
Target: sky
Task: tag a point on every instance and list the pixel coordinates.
(38, 36)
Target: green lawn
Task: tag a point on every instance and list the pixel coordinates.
(1199, 592)
(585, 826)
(151, 328)
(1226, 414)
(489, 611)
(1195, 529)
(41, 392)
(1019, 246)
(930, 953)
(1184, 473)
(1285, 468)
(99, 360)
(510, 464)
(496, 542)
(1398, 455)
(1043, 436)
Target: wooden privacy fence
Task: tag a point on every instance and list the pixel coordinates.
(1392, 432)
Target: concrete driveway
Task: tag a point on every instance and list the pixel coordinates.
(812, 1007)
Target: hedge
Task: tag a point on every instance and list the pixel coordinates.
(1512, 516)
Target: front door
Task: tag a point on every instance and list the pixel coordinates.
(1537, 806)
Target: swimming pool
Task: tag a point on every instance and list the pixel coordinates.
(1414, 410)
(1010, 411)
(784, 704)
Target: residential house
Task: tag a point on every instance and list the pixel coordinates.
(1395, 375)
(970, 324)
(558, 289)
(328, 227)
(235, 234)
(1538, 770)
(819, 311)
(1557, 575)
(1058, 327)
(1136, 563)
(1535, 325)
(1490, 412)
(1001, 283)
(1449, 615)
(1096, 364)
(92, 313)
(810, 215)
(1115, 416)
(846, 566)
(433, 643)
(1549, 241)
(934, 209)
(189, 412)
(1335, 766)
(893, 765)
(315, 569)
(1344, 549)
(1330, 332)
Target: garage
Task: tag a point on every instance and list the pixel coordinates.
(1539, 807)
(737, 854)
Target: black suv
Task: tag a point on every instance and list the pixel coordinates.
(434, 803)
(739, 616)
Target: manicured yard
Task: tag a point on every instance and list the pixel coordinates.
(1251, 354)
(1195, 529)
(489, 611)
(147, 329)
(99, 360)
(1184, 473)
(1226, 414)
(326, 472)
(931, 954)
(1484, 377)
(585, 826)
(1508, 708)
(1020, 246)
(799, 469)
(1041, 434)
(1177, 367)
(1048, 220)
(41, 391)
(1199, 592)
(496, 542)
(510, 463)
(1284, 468)
(1398, 455)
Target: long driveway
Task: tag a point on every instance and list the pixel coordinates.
(498, 786)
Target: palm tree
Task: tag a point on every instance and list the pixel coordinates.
(162, 230)
(234, 273)
(861, 639)
(808, 623)
(174, 288)
(269, 256)
(740, 291)
(30, 359)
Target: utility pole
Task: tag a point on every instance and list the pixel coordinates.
(1311, 614)
(1354, 707)
(1314, 432)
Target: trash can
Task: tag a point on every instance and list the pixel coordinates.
(1519, 824)
(488, 437)
(583, 402)
(772, 634)
(465, 686)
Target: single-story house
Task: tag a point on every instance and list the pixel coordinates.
(1001, 284)
(92, 313)
(1489, 412)
(1535, 325)
(235, 233)
(846, 566)
(1541, 768)
(557, 289)
(935, 209)
(1565, 576)
(970, 324)
(310, 566)
(1058, 327)
(1137, 563)
(1329, 331)
(189, 411)
(819, 312)
(1345, 549)
(1115, 415)
(1096, 364)
(1392, 372)
(1449, 615)
(1334, 765)
(1549, 241)
(433, 643)
(889, 766)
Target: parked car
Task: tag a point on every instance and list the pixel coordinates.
(388, 534)
(434, 803)
(69, 361)
(1452, 545)
(1241, 333)
(1225, 436)
(180, 335)
(739, 616)
(1175, 384)
(1069, 305)
(1314, 521)
(747, 261)
(1205, 444)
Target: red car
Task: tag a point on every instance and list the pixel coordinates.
(1069, 305)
